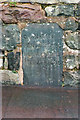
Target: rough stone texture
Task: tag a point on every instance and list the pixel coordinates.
(73, 40)
(10, 37)
(60, 20)
(10, 57)
(9, 78)
(59, 10)
(42, 54)
(71, 61)
(17, 61)
(71, 24)
(66, 23)
(50, 1)
(79, 26)
(79, 59)
(71, 58)
(67, 16)
(13, 61)
(5, 65)
(72, 78)
(77, 11)
(22, 12)
(34, 13)
(1, 60)
(1, 63)
(0, 34)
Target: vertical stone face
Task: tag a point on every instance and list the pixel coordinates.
(42, 54)
(17, 61)
(13, 61)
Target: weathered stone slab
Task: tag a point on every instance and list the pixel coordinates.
(10, 37)
(42, 54)
(59, 10)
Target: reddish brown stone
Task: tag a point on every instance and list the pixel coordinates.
(8, 19)
(22, 12)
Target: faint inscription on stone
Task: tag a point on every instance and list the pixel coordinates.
(42, 54)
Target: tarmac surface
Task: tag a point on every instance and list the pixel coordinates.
(23, 102)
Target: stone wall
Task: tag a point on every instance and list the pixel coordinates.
(15, 17)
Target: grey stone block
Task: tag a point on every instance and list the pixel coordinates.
(72, 61)
(58, 10)
(73, 40)
(42, 54)
(10, 36)
(71, 25)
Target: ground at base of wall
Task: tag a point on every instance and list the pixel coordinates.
(20, 102)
